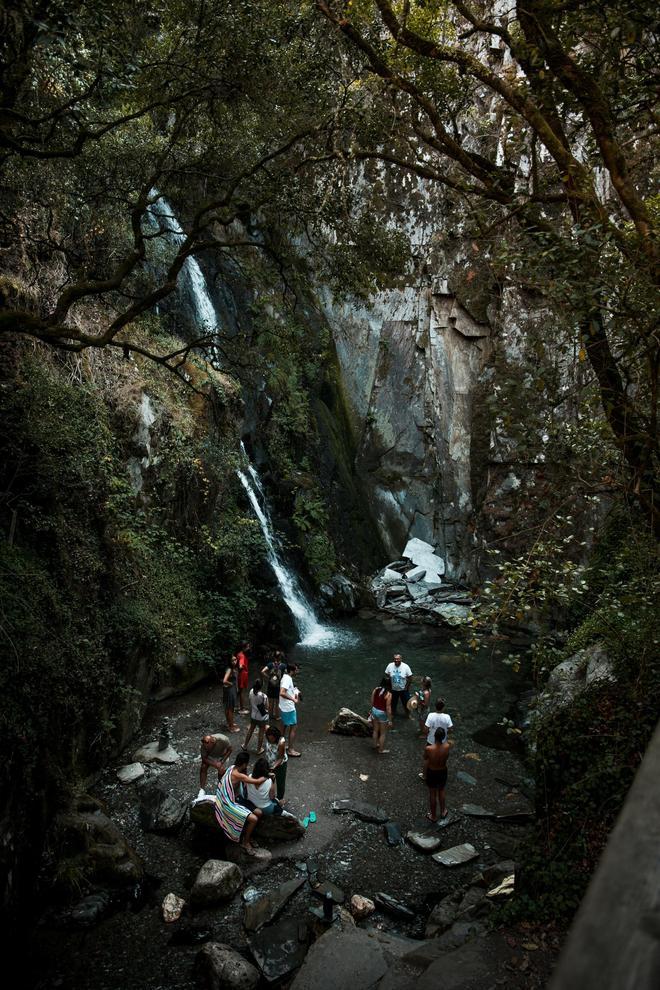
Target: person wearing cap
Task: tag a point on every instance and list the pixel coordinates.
(400, 675)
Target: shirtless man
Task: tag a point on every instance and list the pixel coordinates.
(435, 773)
(214, 752)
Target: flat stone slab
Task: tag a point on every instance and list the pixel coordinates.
(260, 910)
(366, 812)
(394, 907)
(280, 949)
(476, 811)
(466, 778)
(352, 958)
(425, 842)
(151, 752)
(456, 855)
(131, 772)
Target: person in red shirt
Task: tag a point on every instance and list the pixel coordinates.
(243, 678)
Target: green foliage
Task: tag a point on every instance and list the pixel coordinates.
(586, 753)
(99, 581)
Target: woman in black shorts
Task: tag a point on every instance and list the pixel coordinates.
(435, 774)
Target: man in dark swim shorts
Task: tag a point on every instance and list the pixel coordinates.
(435, 773)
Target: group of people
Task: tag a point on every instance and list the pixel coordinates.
(242, 798)
(278, 702)
(435, 726)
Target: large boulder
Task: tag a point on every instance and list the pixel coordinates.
(219, 967)
(161, 811)
(271, 828)
(89, 846)
(348, 723)
(216, 881)
(339, 595)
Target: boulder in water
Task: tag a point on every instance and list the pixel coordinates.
(349, 723)
(219, 967)
(216, 881)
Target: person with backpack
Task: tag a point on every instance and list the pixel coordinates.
(272, 673)
(258, 715)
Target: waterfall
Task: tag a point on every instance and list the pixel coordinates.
(311, 631)
(162, 215)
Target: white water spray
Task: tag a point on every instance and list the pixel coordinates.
(311, 631)
(163, 216)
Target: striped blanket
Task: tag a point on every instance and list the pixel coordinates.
(231, 816)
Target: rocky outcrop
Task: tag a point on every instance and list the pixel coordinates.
(569, 678)
(413, 588)
(91, 849)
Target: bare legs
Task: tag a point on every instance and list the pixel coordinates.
(436, 795)
(260, 737)
(229, 715)
(248, 829)
(379, 734)
(293, 729)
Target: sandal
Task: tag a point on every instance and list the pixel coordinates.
(305, 822)
(290, 753)
(312, 817)
(428, 815)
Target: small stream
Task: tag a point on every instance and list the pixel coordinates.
(133, 948)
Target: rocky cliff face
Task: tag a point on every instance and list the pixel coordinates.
(410, 368)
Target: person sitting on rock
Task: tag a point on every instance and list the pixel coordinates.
(236, 821)
(258, 715)
(214, 751)
(437, 720)
(262, 796)
(381, 714)
(277, 758)
(435, 773)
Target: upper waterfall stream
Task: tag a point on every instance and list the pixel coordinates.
(310, 630)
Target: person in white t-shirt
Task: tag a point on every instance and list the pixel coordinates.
(289, 696)
(438, 720)
(400, 675)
